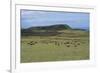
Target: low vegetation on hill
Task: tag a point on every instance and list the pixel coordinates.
(51, 30)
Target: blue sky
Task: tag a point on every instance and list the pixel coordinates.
(31, 18)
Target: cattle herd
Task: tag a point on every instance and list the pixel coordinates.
(67, 43)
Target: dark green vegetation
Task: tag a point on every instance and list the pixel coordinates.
(54, 43)
(44, 30)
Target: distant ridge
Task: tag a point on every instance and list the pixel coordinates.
(81, 29)
(45, 30)
(51, 27)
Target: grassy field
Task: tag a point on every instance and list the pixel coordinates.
(70, 45)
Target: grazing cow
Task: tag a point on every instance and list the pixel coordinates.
(32, 43)
(68, 45)
(75, 41)
(78, 43)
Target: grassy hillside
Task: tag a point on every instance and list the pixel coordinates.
(54, 43)
(44, 30)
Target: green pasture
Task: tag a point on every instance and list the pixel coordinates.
(68, 46)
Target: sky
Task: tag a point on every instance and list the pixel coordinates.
(33, 18)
